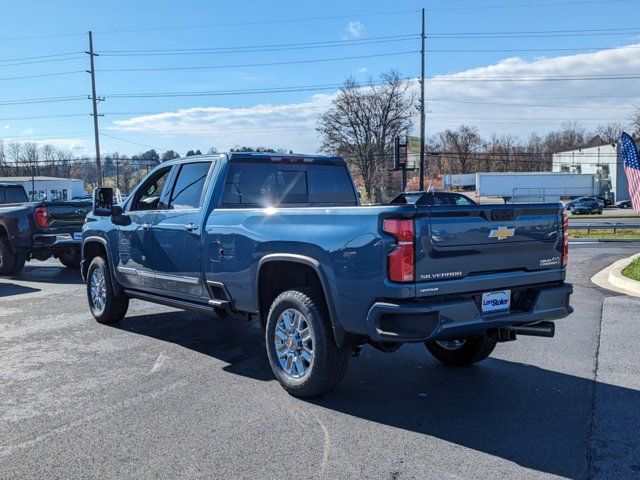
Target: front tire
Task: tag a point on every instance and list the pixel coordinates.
(300, 345)
(105, 306)
(462, 352)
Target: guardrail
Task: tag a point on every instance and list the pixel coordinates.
(606, 226)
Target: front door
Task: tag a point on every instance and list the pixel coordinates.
(136, 244)
(177, 232)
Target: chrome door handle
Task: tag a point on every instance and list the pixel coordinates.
(191, 227)
(145, 226)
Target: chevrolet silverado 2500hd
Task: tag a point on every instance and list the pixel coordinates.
(284, 239)
(38, 230)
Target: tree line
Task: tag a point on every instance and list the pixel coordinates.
(364, 119)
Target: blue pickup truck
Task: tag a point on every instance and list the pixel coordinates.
(283, 238)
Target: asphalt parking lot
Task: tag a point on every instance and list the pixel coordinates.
(169, 394)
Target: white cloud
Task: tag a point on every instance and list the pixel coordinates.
(518, 107)
(539, 105)
(363, 70)
(28, 131)
(354, 30)
(6, 127)
(289, 126)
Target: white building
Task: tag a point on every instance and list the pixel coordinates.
(604, 161)
(49, 188)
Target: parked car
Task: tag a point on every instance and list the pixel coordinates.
(624, 204)
(38, 230)
(284, 239)
(586, 206)
(598, 200)
(432, 198)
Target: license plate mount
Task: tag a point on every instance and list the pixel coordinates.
(496, 302)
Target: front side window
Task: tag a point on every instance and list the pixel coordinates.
(148, 197)
(187, 191)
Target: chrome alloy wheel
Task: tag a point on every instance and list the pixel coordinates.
(451, 344)
(294, 343)
(98, 290)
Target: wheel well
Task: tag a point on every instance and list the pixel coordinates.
(90, 251)
(279, 276)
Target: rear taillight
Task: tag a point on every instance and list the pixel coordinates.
(42, 217)
(565, 240)
(401, 259)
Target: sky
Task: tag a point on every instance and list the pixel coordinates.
(201, 74)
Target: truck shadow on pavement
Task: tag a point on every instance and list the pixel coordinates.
(237, 342)
(536, 418)
(59, 275)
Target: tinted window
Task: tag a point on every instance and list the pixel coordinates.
(265, 184)
(13, 195)
(187, 190)
(330, 184)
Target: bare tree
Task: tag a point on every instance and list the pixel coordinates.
(609, 133)
(362, 124)
(463, 144)
(635, 122)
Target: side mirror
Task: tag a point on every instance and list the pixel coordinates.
(119, 218)
(103, 202)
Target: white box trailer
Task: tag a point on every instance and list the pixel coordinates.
(537, 187)
(466, 181)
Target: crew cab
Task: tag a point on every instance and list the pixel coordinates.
(38, 230)
(283, 238)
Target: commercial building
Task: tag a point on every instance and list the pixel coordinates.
(50, 189)
(605, 161)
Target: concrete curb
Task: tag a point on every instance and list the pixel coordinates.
(603, 240)
(611, 278)
(617, 279)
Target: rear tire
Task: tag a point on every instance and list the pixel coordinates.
(469, 351)
(70, 258)
(105, 306)
(11, 262)
(300, 345)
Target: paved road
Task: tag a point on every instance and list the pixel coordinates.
(168, 394)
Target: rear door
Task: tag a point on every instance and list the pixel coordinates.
(465, 241)
(177, 231)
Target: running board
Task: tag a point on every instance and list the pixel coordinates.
(172, 302)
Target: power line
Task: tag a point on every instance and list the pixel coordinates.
(292, 62)
(538, 78)
(37, 57)
(127, 141)
(523, 5)
(258, 22)
(34, 117)
(26, 101)
(31, 62)
(507, 50)
(41, 75)
(532, 35)
(259, 48)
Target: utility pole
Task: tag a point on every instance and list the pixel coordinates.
(95, 101)
(422, 120)
(117, 176)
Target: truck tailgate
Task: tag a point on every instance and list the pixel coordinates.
(460, 242)
(67, 215)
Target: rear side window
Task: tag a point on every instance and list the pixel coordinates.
(187, 191)
(14, 195)
(266, 184)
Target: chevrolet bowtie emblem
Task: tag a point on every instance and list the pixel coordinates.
(502, 233)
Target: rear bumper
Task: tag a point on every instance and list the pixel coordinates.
(419, 321)
(55, 240)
